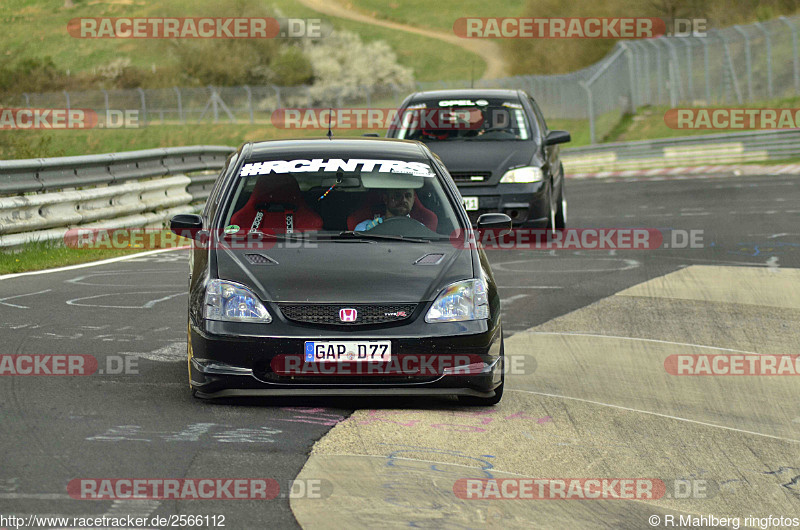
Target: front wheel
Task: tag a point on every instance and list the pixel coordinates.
(561, 214)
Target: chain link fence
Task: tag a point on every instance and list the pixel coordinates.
(737, 65)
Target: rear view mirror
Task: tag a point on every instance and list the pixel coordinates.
(186, 225)
(494, 221)
(557, 137)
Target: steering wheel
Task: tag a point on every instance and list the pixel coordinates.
(397, 220)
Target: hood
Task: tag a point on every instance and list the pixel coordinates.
(347, 272)
(487, 156)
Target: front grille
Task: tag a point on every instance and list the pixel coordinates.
(474, 177)
(329, 313)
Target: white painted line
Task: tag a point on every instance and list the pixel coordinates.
(90, 264)
(148, 305)
(595, 335)
(656, 414)
(514, 298)
(3, 300)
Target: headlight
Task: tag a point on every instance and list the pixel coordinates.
(522, 175)
(465, 300)
(233, 302)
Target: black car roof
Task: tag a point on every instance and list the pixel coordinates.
(466, 93)
(339, 147)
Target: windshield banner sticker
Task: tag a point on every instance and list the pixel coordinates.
(352, 165)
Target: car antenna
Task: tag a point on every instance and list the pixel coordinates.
(330, 133)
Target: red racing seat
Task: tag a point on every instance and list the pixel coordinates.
(373, 205)
(279, 201)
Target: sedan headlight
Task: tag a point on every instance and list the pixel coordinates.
(464, 300)
(522, 175)
(233, 302)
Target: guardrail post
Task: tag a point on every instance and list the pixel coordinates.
(747, 61)
(27, 99)
(768, 40)
(249, 102)
(66, 97)
(794, 53)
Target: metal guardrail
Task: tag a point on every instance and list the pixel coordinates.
(47, 174)
(752, 146)
(40, 199)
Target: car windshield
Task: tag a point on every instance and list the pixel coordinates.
(327, 198)
(469, 119)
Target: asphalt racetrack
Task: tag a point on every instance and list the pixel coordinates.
(588, 391)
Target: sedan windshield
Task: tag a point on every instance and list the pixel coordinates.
(352, 199)
(479, 119)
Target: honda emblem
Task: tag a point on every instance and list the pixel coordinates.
(348, 315)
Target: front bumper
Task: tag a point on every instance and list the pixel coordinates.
(528, 205)
(235, 359)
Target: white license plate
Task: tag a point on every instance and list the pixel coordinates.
(471, 203)
(338, 351)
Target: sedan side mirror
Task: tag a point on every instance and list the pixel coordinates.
(494, 221)
(186, 225)
(557, 137)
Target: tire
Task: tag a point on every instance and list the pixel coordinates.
(561, 213)
(475, 401)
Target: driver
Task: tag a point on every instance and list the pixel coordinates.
(398, 203)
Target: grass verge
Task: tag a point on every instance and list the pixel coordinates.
(42, 255)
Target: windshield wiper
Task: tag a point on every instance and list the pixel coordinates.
(364, 235)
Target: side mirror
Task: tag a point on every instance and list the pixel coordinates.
(186, 225)
(557, 137)
(495, 221)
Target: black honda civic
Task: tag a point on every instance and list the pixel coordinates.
(340, 266)
(498, 149)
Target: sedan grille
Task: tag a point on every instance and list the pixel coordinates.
(329, 313)
(475, 177)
